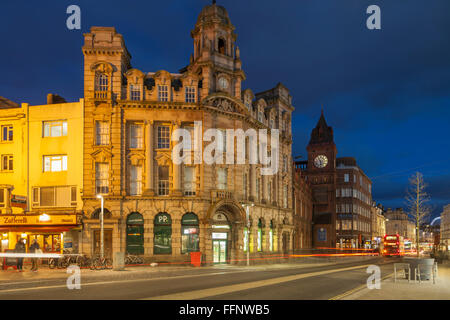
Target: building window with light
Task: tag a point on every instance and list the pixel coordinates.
(135, 92)
(101, 133)
(259, 239)
(136, 134)
(135, 180)
(55, 163)
(190, 94)
(101, 177)
(7, 133)
(163, 137)
(163, 180)
(189, 181)
(163, 93)
(221, 178)
(7, 162)
(54, 128)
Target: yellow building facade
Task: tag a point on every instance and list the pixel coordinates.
(41, 172)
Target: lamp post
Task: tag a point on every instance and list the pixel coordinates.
(102, 248)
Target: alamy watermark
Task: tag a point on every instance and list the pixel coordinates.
(374, 280)
(221, 149)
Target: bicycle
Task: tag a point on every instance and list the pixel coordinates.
(133, 259)
(101, 263)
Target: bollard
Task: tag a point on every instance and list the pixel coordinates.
(119, 261)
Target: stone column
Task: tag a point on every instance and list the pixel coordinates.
(264, 189)
(149, 185)
(252, 183)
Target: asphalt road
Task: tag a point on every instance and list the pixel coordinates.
(278, 283)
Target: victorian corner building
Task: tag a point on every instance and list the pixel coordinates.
(154, 206)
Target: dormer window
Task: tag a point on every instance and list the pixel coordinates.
(135, 92)
(163, 93)
(260, 116)
(190, 94)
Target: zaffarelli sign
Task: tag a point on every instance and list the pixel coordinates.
(22, 220)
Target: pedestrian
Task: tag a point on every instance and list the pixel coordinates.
(34, 248)
(20, 248)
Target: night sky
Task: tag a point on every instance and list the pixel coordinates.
(386, 93)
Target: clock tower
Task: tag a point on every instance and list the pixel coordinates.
(321, 173)
(216, 57)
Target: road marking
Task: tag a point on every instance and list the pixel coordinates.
(204, 293)
(119, 281)
(354, 290)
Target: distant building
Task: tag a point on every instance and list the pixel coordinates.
(398, 222)
(445, 226)
(378, 225)
(303, 208)
(341, 192)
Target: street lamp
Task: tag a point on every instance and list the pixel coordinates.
(102, 248)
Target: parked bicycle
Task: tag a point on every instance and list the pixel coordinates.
(100, 263)
(64, 261)
(133, 259)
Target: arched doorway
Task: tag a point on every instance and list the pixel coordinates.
(189, 233)
(135, 233)
(220, 235)
(162, 231)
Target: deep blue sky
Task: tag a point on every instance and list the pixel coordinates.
(386, 92)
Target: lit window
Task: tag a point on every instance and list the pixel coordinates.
(163, 137)
(54, 128)
(189, 181)
(7, 133)
(163, 180)
(101, 178)
(101, 82)
(136, 136)
(7, 162)
(163, 94)
(135, 180)
(135, 92)
(102, 133)
(55, 163)
(59, 196)
(221, 178)
(190, 94)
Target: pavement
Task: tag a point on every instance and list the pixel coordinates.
(402, 290)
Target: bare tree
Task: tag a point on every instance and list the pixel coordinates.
(417, 202)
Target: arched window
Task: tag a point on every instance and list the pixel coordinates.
(101, 82)
(222, 46)
(106, 214)
(135, 233)
(189, 233)
(162, 241)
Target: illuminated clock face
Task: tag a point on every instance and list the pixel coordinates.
(223, 83)
(321, 161)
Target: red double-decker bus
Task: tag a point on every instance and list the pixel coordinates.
(394, 245)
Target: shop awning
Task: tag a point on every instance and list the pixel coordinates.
(57, 229)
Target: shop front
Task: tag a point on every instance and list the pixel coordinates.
(220, 238)
(53, 232)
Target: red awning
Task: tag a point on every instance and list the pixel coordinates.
(58, 229)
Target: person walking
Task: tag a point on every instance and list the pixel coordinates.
(34, 248)
(20, 248)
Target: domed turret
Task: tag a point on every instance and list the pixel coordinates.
(213, 14)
